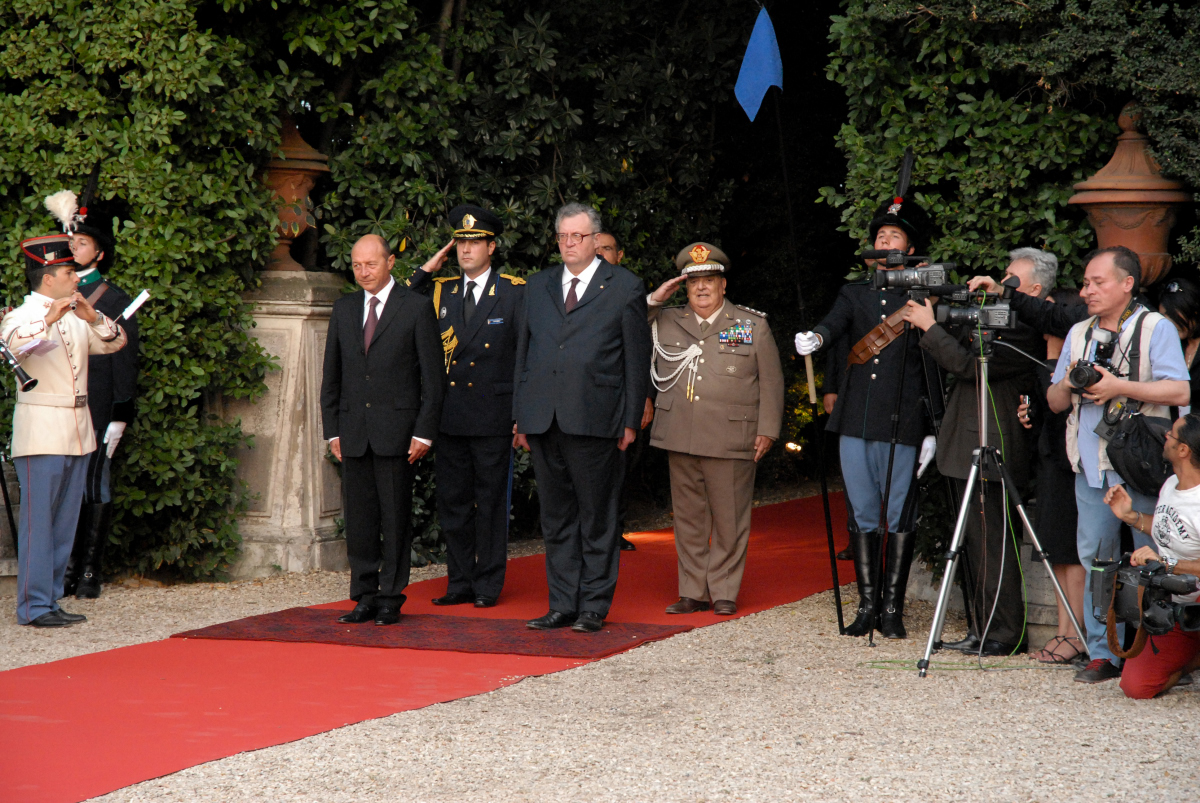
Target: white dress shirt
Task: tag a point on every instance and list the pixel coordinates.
(711, 319)
(584, 277)
(382, 295)
(480, 282)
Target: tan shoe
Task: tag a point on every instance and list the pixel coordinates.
(724, 607)
(687, 605)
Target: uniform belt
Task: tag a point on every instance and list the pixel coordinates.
(51, 399)
(877, 339)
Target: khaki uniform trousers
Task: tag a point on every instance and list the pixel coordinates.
(712, 498)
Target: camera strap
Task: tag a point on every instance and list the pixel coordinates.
(877, 339)
(1110, 628)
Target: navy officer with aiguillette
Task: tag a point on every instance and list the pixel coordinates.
(476, 314)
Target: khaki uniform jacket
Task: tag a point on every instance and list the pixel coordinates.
(51, 419)
(737, 392)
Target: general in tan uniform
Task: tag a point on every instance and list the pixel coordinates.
(719, 408)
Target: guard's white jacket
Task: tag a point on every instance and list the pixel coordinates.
(53, 418)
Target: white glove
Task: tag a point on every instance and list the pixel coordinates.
(928, 452)
(807, 343)
(112, 436)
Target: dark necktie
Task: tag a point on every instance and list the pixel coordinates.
(369, 326)
(572, 299)
(469, 303)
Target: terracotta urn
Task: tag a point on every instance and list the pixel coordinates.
(1129, 203)
(292, 178)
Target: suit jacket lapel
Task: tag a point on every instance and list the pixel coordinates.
(600, 279)
(554, 287)
(486, 302)
(395, 300)
(725, 319)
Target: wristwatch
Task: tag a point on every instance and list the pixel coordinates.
(1169, 563)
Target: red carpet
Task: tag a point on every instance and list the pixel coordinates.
(424, 631)
(78, 728)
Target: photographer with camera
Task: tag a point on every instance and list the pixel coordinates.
(883, 359)
(1122, 359)
(994, 586)
(1175, 531)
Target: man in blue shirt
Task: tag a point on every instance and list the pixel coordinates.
(1110, 280)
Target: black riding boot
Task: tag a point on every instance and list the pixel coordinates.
(97, 537)
(866, 549)
(75, 564)
(848, 552)
(899, 560)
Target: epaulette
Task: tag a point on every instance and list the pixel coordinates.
(447, 278)
(747, 309)
(516, 280)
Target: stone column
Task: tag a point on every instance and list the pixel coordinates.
(292, 524)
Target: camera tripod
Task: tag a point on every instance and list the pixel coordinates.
(983, 456)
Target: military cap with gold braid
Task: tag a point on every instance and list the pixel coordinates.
(702, 259)
(474, 222)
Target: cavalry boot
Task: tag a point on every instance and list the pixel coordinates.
(866, 549)
(848, 552)
(97, 537)
(899, 560)
(75, 564)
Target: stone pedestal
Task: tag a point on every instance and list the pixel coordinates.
(292, 523)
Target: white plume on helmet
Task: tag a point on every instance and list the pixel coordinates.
(63, 205)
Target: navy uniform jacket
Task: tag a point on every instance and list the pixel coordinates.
(867, 393)
(588, 368)
(112, 378)
(479, 376)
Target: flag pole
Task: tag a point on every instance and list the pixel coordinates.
(818, 435)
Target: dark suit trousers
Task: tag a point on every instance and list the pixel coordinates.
(474, 486)
(984, 554)
(579, 485)
(378, 494)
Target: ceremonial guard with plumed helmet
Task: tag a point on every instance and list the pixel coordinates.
(474, 457)
(719, 409)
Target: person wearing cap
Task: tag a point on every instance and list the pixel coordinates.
(52, 332)
(474, 458)
(863, 317)
(719, 409)
(112, 391)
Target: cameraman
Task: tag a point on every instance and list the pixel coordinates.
(1175, 530)
(995, 588)
(1110, 279)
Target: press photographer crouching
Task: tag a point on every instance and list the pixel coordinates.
(993, 576)
(1175, 530)
(1139, 369)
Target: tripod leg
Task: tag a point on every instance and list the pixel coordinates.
(1041, 553)
(819, 437)
(960, 528)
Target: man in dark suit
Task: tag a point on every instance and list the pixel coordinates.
(381, 397)
(582, 367)
(477, 316)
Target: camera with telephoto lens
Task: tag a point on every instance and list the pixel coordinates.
(989, 316)
(1084, 374)
(1155, 611)
(926, 277)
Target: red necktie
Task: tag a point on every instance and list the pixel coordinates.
(369, 326)
(572, 299)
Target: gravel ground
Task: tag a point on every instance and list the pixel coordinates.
(774, 706)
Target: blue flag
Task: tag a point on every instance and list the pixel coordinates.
(762, 67)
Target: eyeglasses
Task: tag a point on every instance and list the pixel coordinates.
(573, 239)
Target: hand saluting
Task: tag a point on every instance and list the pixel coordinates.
(438, 260)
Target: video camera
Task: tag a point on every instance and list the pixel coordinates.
(1156, 613)
(963, 307)
(1084, 374)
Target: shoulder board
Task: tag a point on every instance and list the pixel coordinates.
(747, 309)
(447, 278)
(516, 280)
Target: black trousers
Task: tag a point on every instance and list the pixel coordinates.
(474, 491)
(378, 493)
(579, 485)
(988, 542)
(633, 456)
(98, 487)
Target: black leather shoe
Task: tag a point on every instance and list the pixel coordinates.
(362, 613)
(968, 644)
(998, 648)
(485, 602)
(388, 615)
(50, 619)
(627, 545)
(588, 622)
(73, 618)
(550, 621)
(454, 599)
(847, 553)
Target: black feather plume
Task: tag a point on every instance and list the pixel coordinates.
(89, 193)
(906, 168)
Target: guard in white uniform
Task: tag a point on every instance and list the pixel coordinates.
(52, 333)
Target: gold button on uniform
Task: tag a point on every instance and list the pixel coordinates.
(368, 404)
(872, 376)
(451, 384)
(470, 384)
